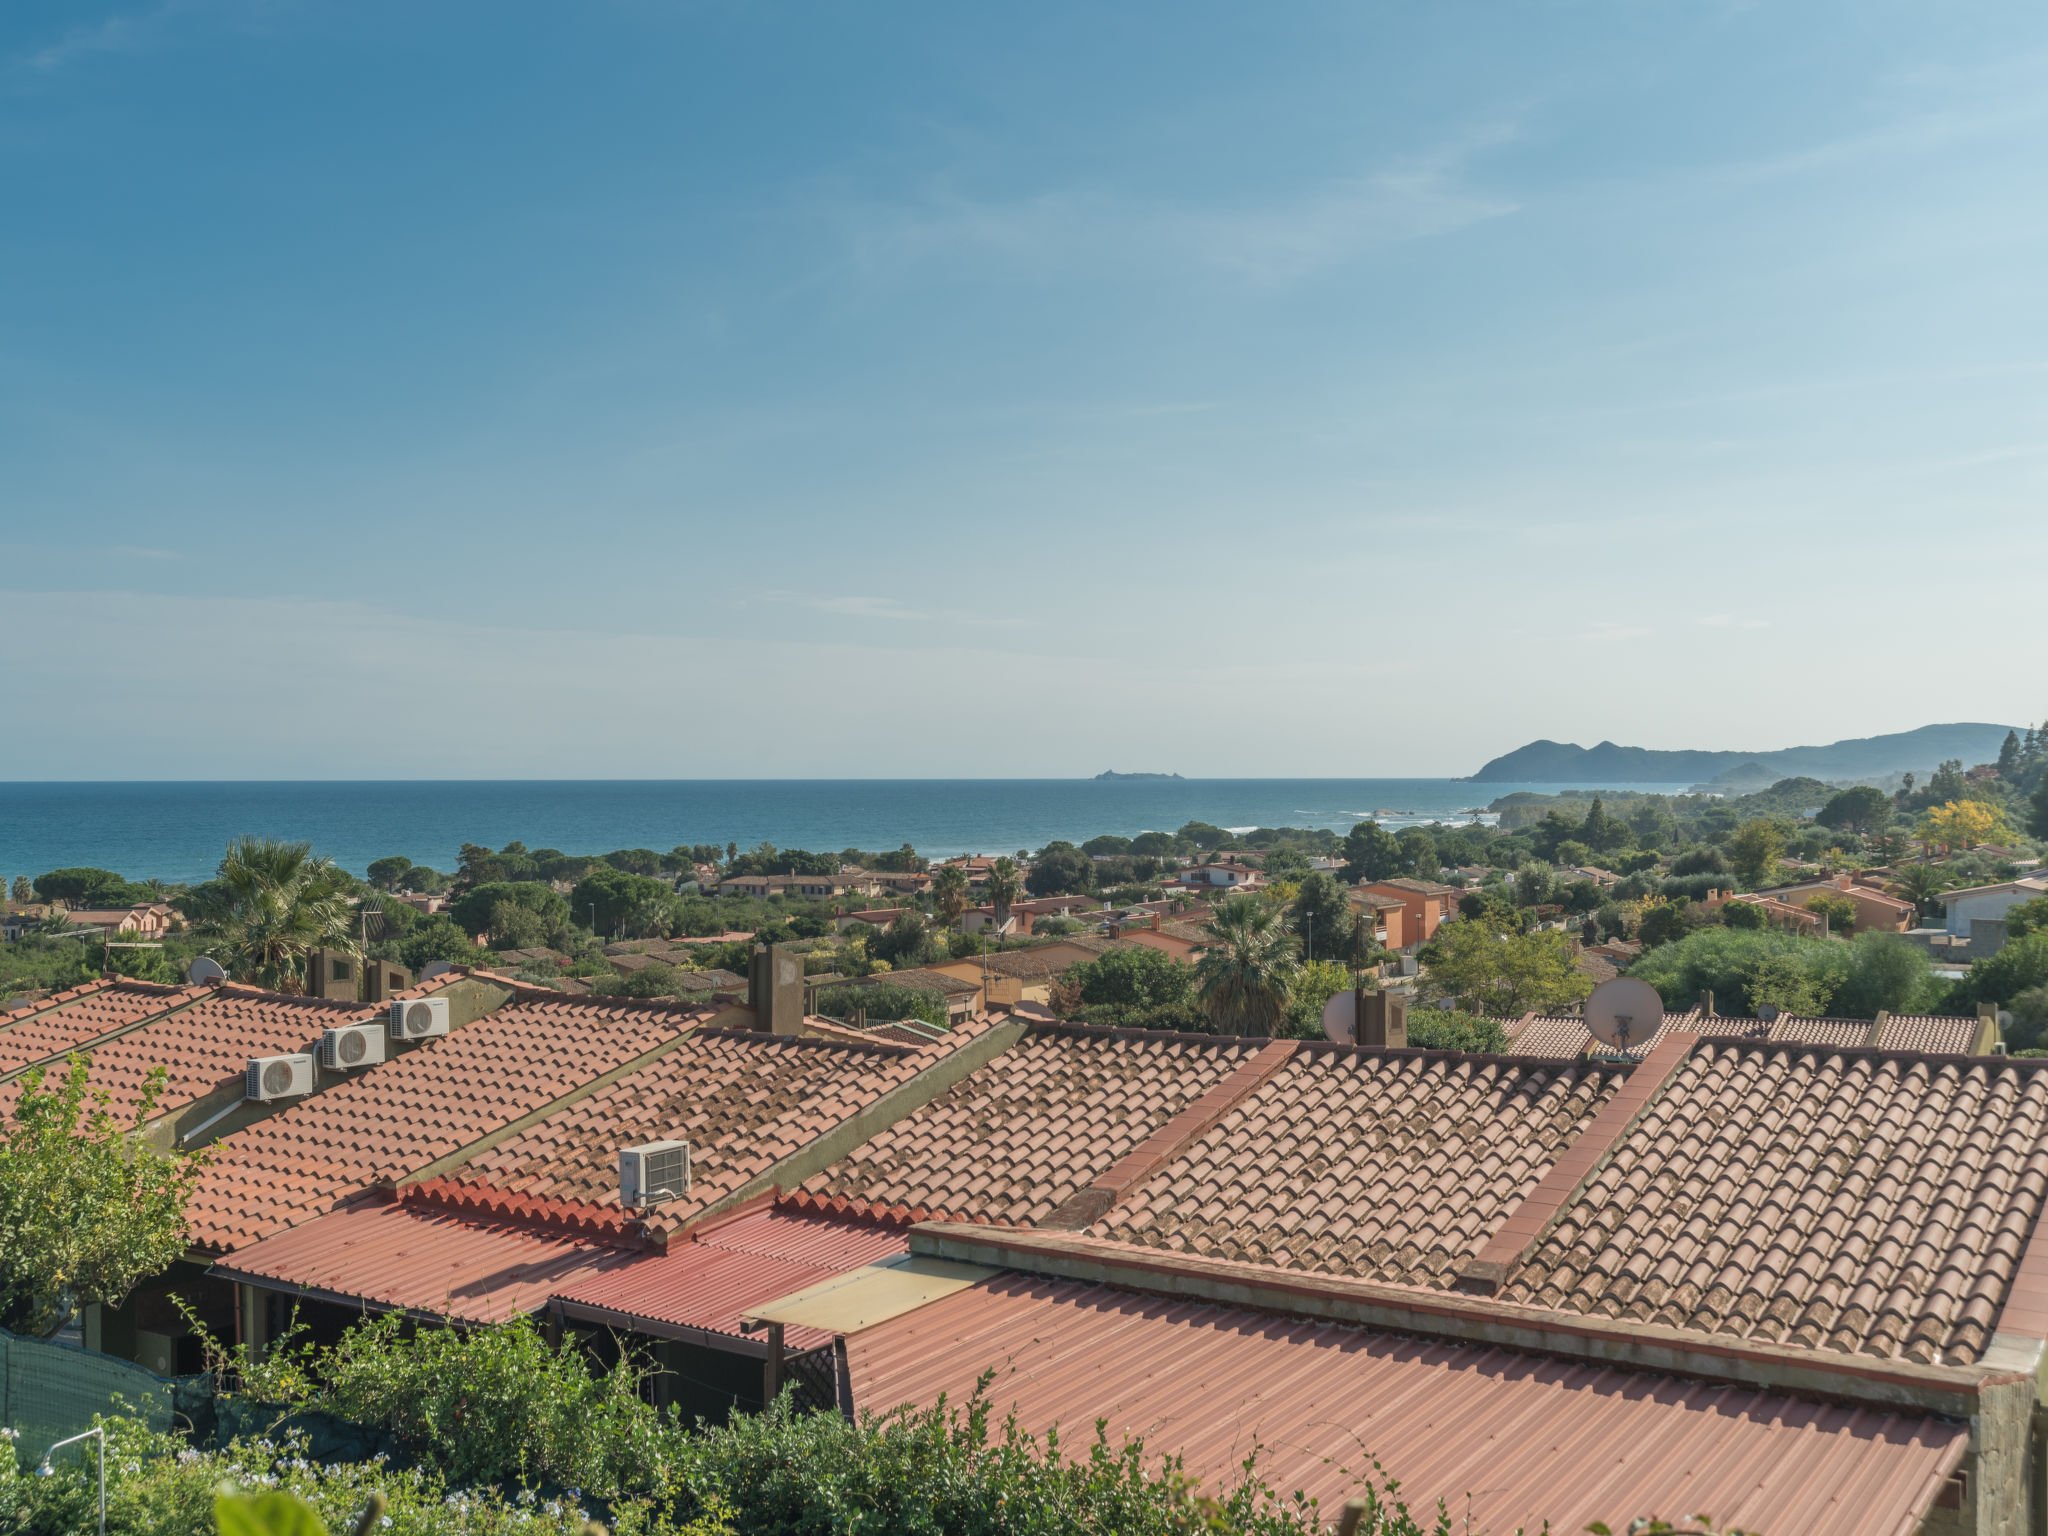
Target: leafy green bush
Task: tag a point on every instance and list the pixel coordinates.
(1877, 970)
(1438, 1029)
(2021, 965)
(884, 1003)
(159, 1486)
(1136, 988)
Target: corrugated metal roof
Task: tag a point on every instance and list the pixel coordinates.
(734, 1269)
(1507, 1440)
(422, 1259)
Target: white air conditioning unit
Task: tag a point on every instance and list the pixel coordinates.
(653, 1172)
(419, 1018)
(278, 1077)
(351, 1045)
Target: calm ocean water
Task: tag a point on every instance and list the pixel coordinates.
(176, 831)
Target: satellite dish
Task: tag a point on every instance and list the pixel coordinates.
(204, 972)
(1624, 1013)
(1340, 1017)
(436, 968)
(1768, 1012)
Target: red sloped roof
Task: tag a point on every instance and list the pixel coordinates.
(66, 1021)
(735, 1268)
(1507, 1440)
(426, 1258)
(397, 1118)
(205, 1046)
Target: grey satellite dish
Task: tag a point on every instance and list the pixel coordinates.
(1624, 1013)
(1768, 1012)
(1340, 1017)
(2004, 1019)
(204, 972)
(436, 968)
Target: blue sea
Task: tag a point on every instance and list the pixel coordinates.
(176, 831)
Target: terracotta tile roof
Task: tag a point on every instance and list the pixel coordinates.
(67, 1020)
(1536, 1441)
(1559, 1035)
(204, 1046)
(1015, 1139)
(1803, 1029)
(1936, 1034)
(1383, 1165)
(429, 1102)
(742, 1100)
(1554, 1036)
(1848, 1201)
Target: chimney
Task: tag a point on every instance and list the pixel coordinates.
(1706, 1005)
(775, 984)
(1382, 1020)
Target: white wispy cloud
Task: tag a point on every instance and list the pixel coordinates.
(1263, 242)
(122, 32)
(849, 605)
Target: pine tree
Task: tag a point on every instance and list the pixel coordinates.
(2009, 755)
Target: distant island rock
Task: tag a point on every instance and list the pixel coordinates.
(1920, 751)
(1106, 775)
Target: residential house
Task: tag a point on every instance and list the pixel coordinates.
(1222, 877)
(1876, 911)
(1966, 906)
(1426, 904)
(1328, 1245)
(534, 1221)
(1015, 923)
(901, 883)
(1016, 976)
(1183, 941)
(145, 922)
(1779, 914)
(1378, 1220)
(1389, 915)
(874, 917)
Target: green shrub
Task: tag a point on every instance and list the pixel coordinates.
(159, 1486)
(884, 1003)
(1438, 1029)
(2021, 965)
(1878, 970)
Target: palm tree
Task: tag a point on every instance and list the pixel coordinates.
(276, 902)
(1245, 973)
(949, 890)
(1004, 885)
(1918, 883)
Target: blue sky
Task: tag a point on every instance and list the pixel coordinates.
(679, 390)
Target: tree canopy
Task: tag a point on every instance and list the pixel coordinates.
(86, 1207)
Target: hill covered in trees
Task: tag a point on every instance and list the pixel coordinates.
(1555, 762)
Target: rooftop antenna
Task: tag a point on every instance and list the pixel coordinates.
(1625, 1013)
(204, 972)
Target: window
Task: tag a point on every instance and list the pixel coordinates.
(338, 970)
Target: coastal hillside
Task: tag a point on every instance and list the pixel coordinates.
(1914, 751)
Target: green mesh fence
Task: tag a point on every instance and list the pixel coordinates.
(49, 1391)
